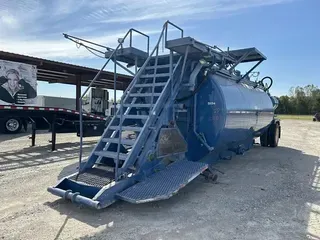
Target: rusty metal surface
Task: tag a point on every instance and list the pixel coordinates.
(170, 142)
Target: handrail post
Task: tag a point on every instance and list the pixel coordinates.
(81, 135)
(171, 79)
(154, 78)
(119, 141)
(130, 38)
(115, 85)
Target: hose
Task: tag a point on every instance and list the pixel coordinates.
(261, 83)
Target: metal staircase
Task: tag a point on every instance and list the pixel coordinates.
(146, 109)
(140, 107)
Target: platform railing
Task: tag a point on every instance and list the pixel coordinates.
(112, 56)
(163, 35)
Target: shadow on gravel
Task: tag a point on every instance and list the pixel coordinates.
(40, 155)
(275, 188)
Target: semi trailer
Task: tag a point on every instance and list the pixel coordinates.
(187, 109)
(20, 105)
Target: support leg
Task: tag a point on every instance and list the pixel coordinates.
(33, 136)
(53, 134)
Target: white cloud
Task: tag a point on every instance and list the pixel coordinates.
(34, 27)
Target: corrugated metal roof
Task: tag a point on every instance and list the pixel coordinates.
(66, 73)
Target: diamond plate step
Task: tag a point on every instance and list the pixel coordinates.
(94, 177)
(160, 84)
(163, 184)
(126, 128)
(134, 116)
(122, 156)
(138, 105)
(116, 140)
(157, 75)
(159, 66)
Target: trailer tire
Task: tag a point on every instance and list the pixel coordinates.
(264, 139)
(274, 134)
(12, 125)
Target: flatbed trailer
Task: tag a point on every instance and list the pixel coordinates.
(56, 120)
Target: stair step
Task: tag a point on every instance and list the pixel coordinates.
(157, 75)
(138, 105)
(160, 84)
(116, 140)
(95, 177)
(144, 94)
(126, 128)
(134, 116)
(160, 66)
(122, 156)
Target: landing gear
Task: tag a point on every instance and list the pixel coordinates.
(271, 136)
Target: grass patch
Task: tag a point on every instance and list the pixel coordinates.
(296, 117)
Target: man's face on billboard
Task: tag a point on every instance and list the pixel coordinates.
(13, 81)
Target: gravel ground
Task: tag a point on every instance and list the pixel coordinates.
(265, 194)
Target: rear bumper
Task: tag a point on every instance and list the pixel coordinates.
(74, 197)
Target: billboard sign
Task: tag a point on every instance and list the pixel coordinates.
(18, 83)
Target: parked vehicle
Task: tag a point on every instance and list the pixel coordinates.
(21, 105)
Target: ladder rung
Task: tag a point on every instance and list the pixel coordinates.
(144, 94)
(138, 105)
(116, 140)
(134, 116)
(126, 128)
(122, 156)
(157, 75)
(159, 84)
(159, 66)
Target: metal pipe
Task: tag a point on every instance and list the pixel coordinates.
(119, 141)
(115, 85)
(172, 24)
(98, 74)
(136, 65)
(81, 39)
(124, 68)
(130, 38)
(184, 62)
(154, 79)
(244, 76)
(239, 61)
(171, 77)
(143, 34)
(81, 135)
(75, 197)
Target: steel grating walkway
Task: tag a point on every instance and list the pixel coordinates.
(95, 177)
(163, 184)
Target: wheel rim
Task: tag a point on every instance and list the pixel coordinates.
(12, 125)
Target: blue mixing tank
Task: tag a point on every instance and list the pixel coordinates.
(225, 116)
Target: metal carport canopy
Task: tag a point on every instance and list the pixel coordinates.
(65, 73)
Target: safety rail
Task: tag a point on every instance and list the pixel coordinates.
(120, 110)
(113, 54)
(141, 33)
(161, 97)
(166, 29)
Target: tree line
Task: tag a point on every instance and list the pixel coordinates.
(300, 101)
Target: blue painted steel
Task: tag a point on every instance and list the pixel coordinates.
(220, 115)
(229, 113)
(163, 184)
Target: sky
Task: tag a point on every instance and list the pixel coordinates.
(285, 31)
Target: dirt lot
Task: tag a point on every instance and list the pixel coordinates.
(264, 194)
